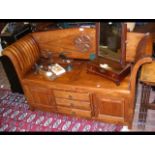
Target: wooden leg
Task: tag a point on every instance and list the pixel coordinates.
(143, 105)
(130, 125)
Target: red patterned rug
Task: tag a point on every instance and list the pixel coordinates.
(16, 116)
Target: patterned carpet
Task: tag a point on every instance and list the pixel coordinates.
(16, 116)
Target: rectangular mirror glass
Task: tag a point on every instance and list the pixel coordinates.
(111, 38)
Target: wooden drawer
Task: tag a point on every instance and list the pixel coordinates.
(73, 103)
(64, 110)
(72, 95)
(74, 112)
(81, 113)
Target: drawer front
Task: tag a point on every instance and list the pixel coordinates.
(74, 112)
(73, 103)
(64, 110)
(81, 113)
(72, 95)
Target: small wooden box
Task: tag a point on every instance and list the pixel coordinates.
(113, 72)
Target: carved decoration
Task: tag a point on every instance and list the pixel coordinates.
(83, 43)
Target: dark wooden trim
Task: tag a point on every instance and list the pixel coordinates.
(123, 44)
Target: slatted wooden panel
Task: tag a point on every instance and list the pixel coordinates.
(23, 54)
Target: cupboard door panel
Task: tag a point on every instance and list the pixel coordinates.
(113, 108)
(109, 108)
(39, 95)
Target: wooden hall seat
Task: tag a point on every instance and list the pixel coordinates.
(78, 93)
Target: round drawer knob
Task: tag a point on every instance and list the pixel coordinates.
(70, 97)
(72, 104)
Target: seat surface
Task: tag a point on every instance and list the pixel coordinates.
(79, 77)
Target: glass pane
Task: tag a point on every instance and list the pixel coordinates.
(110, 40)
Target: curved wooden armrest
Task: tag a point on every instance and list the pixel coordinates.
(23, 54)
(134, 72)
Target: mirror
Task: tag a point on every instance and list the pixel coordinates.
(111, 41)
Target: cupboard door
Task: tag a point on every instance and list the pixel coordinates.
(39, 95)
(109, 108)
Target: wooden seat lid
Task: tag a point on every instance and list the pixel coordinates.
(81, 79)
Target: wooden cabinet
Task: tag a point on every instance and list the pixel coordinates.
(81, 104)
(109, 108)
(79, 97)
(77, 92)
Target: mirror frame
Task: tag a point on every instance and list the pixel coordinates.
(122, 60)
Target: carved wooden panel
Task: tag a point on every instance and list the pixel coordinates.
(39, 95)
(78, 42)
(83, 43)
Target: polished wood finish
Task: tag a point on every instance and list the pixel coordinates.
(133, 44)
(115, 73)
(72, 103)
(72, 95)
(148, 74)
(79, 43)
(110, 108)
(75, 93)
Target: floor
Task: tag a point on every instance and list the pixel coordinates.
(150, 125)
(4, 83)
(150, 122)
